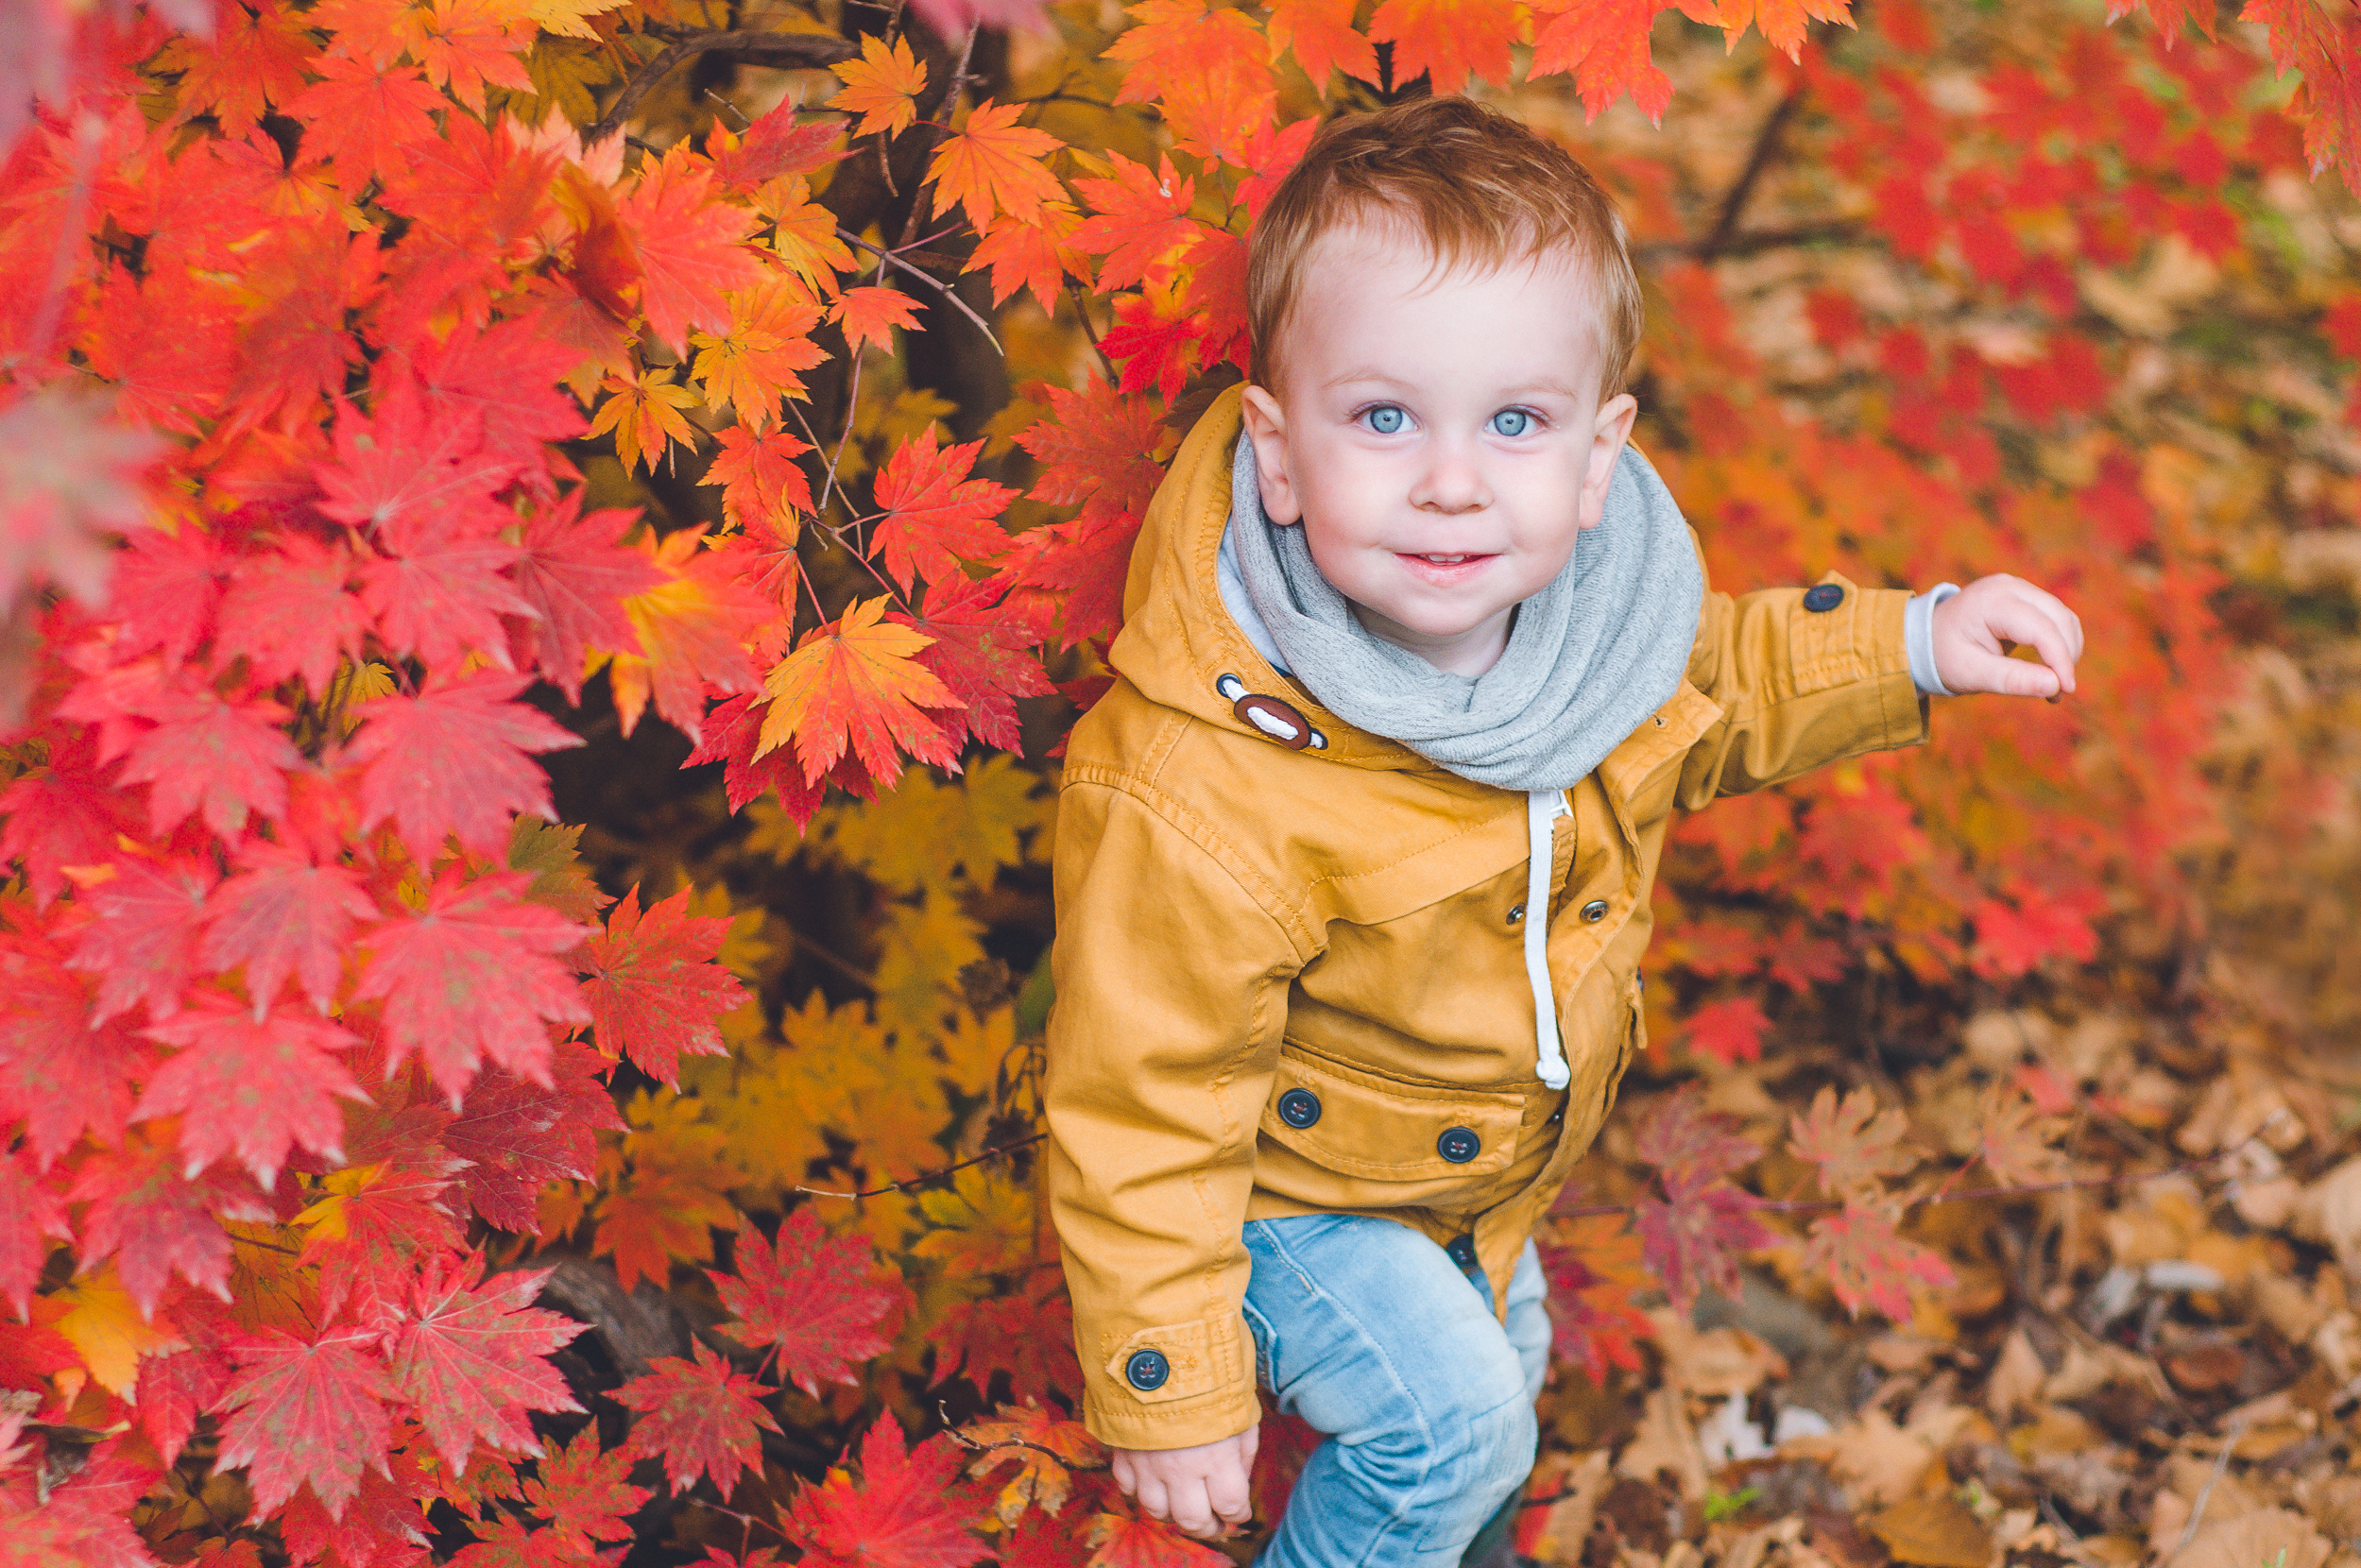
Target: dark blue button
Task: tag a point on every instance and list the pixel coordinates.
(1459, 1145)
(1147, 1370)
(1822, 596)
(1299, 1108)
(1463, 1251)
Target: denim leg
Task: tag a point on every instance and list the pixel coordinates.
(1529, 1327)
(1370, 1333)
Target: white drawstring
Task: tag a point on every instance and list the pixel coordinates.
(1542, 807)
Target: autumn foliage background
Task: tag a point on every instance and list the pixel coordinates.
(547, 547)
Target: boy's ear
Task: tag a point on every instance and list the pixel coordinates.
(1268, 426)
(1608, 436)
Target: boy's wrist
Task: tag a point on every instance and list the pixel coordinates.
(1918, 637)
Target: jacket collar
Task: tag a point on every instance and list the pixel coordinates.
(1180, 645)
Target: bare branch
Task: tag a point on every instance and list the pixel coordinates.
(785, 51)
(992, 1153)
(929, 280)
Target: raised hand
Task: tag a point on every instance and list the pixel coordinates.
(1976, 628)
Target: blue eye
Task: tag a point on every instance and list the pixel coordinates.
(1385, 420)
(1512, 421)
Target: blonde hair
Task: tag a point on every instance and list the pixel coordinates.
(1478, 187)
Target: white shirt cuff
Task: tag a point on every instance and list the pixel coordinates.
(1918, 636)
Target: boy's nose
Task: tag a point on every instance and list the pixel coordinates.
(1451, 483)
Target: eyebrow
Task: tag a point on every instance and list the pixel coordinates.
(1547, 384)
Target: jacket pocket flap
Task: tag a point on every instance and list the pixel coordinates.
(1157, 1366)
(1362, 1124)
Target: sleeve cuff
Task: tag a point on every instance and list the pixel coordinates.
(1918, 636)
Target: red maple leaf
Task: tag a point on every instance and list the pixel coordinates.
(250, 1084)
(65, 814)
(1320, 34)
(935, 515)
(690, 248)
(456, 760)
(1868, 1263)
(443, 592)
(282, 916)
(811, 1297)
(386, 1214)
(979, 653)
(1124, 1541)
(1099, 451)
(287, 612)
(61, 1071)
(1086, 562)
(504, 377)
(305, 1412)
(582, 1493)
(142, 939)
(906, 1512)
(411, 475)
(86, 1517)
(196, 749)
(471, 1358)
(359, 116)
(166, 587)
(733, 733)
(1141, 218)
(697, 1416)
(155, 1220)
(1693, 1239)
(771, 146)
(173, 1388)
(1596, 1267)
(1026, 1333)
(652, 985)
(1152, 349)
(472, 976)
(1729, 1031)
(383, 1526)
(518, 1136)
(31, 1216)
(869, 315)
(856, 685)
(1853, 1143)
(574, 576)
(1447, 40)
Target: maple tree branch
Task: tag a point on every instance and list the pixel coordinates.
(1082, 309)
(786, 51)
(943, 105)
(889, 259)
(992, 1153)
(1766, 147)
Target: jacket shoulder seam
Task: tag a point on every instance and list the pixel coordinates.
(1181, 818)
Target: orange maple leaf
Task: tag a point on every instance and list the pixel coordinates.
(994, 165)
(935, 515)
(1208, 71)
(882, 86)
(1321, 33)
(1783, 22)
(855, 683)
(1042, 1447)
(870, 315)
(1605, 44)
(1141, 219)
(1447, 41)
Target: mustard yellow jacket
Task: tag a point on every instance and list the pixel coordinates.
(1292, 980)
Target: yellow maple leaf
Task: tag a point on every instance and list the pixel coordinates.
(104, 1325)
(995, 165)
(882, 86)
(645, 416)
(566, 17)
(922, 948)
(751, 368)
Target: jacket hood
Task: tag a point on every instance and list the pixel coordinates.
(1180, 646)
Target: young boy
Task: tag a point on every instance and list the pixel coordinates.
(1353, 862)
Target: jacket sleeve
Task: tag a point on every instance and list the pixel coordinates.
(1171, 982)
(1801, 682)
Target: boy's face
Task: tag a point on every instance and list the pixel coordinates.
(1440, 439)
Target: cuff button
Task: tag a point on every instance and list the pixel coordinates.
(1821, 597)
(1299, 1108)
(1147, 1370)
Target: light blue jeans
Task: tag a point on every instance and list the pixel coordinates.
(1371, 1334)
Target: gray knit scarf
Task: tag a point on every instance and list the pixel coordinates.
(1590, 657)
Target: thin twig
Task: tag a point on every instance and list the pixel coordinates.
(992, 1153)
(853, 407)
(785, 50)
(943, 109)
(929, 278)
(2196, 1510)
(1082, 309)
(963, 1440)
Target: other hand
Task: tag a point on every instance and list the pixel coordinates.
(1976, 627)
(1202, 1490)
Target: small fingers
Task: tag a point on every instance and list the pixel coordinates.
(1150, 1493)
(2040, 622)
(1227, 1494)
(1192, 1507)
